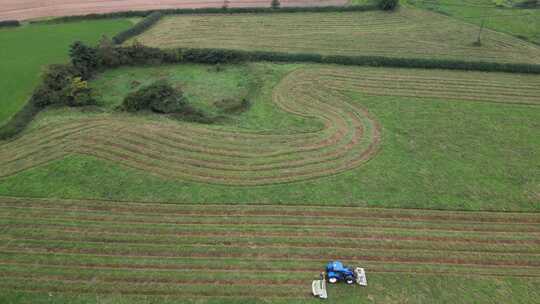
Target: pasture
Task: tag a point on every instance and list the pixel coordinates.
(406, 33)
(391, 138)
(61, 251)
(497, 15)
(28, 49)
(427, 178)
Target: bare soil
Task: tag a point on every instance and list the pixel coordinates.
(35, 9)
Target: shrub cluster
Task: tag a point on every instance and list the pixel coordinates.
(61, 85)
(9, 23)
(159, 97)
(138, 28)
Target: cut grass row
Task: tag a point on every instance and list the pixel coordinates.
(187, 209)
(72, 246)
(408, 33)
(351, 135)
(437, 152)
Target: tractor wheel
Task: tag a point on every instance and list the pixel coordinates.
(332, 280)
(349, 280)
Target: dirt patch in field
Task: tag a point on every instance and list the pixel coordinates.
(33, 9)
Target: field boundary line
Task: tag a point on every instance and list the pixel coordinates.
(322, 205)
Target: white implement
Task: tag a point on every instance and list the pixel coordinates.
(318, 288)
(360, 276)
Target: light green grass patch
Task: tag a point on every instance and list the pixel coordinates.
(496, 15)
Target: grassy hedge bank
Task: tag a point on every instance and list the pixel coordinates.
(195, 11)
(19, 121)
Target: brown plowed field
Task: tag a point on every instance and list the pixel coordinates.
(32, 9)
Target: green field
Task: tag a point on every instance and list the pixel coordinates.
(429, 179)
(523, 23)
(53, 251)
(407, 33)
(28, 49)
(464, 141)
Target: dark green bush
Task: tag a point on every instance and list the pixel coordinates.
(55, 86)
(9, 23)
(388, 5)
(138, 28)
(159, 97)
(275, 4)
(84, 58)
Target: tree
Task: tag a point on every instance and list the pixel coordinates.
(275, 4)
(84, 59)
(388, 5)
(107, 53)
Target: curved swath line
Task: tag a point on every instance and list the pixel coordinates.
(25, 151)
(202, 165)
(199, 153)
(213, 164)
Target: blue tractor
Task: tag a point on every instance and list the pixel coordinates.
(336, 271)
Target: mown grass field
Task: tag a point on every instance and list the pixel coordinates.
(497, 15)
(27, 50)
(408, 33)
(53, 251)
(442, 139)
(429, 179)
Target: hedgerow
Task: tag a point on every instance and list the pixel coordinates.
(211, 10)
(139, 54)
(9, 23)
(139, 28)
